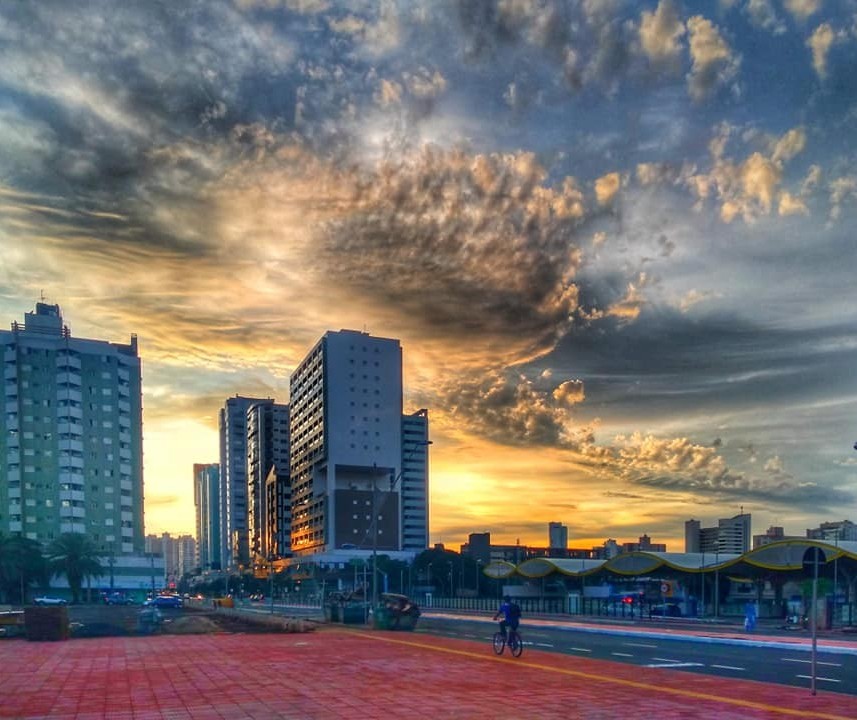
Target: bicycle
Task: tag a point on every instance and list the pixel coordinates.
(516, 645)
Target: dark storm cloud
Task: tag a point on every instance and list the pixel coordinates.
(731, 489)
(665, 361)
(470, 245)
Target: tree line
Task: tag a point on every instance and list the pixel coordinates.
(25, 563)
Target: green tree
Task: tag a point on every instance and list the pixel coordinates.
(77, 557)
(21, 565)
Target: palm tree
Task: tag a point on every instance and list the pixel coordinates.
(21, 565)
(75, 556)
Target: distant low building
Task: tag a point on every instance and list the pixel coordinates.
(729, 536)
(834, 531)
(644, 544)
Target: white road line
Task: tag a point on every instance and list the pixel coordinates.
(674, 665)
(729, 667)
(809, 677)
(645, 645)
(580, 649)
(809, 662)
(468, 635)
(667, 660)
(544, 644)
(622, 654)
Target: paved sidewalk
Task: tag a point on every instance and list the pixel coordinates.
(344, 673)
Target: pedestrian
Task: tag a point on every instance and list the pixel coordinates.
(750, 616)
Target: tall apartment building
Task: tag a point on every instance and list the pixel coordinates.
(233, 480)
(557, 536)
(415, 489)
(179, 554)
(347, 447)
(731, 536)
(278, 518)
(71, 438)
(267, 448)
(206, 500)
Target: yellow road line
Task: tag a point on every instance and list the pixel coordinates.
(603, 678)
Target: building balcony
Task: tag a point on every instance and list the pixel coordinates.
(10, 372)
(68, 378)
(69, 393)
(69, 413)
(68, 362)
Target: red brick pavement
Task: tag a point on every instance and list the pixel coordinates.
(339, 673)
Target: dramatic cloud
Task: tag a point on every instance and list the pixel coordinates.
(802, 9)
(661, 32)
(584, 220)
(713, 63)
(820, 42)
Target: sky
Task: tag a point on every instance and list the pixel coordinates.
(615, 238)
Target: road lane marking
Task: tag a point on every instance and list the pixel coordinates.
(595, 677)
(580, 649)
(674, 665)
(544, 644)
(645, 645)
(667, 660)
(729, 667)
(809, 677)
(622, 654)
(808, 662)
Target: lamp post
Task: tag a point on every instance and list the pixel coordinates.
(716, 584)
(478, 572)
(375, 509)
(835, 578)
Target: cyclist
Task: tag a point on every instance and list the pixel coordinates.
(511, 613)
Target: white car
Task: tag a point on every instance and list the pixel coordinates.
(49, 601)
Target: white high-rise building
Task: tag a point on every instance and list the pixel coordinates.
(731, 536)
(346, 430)
(71, 436)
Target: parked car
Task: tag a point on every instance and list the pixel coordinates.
(665, 610)
(165, 601)
(44, 600)
(118, 599)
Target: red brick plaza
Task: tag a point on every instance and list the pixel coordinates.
(365, 675)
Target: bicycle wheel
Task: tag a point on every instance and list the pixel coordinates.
(516, 646)
(499, 643)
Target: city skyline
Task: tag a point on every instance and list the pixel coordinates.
(614, 239)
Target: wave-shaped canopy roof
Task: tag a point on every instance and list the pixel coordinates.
(781, 556)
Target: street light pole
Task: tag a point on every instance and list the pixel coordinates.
(393, 482)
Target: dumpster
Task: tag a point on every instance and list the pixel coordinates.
(396, 613)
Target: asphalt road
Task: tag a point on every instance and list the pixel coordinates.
(834, 672)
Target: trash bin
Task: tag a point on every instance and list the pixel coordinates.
(149, 620)
(381, 618)
(354, 614)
